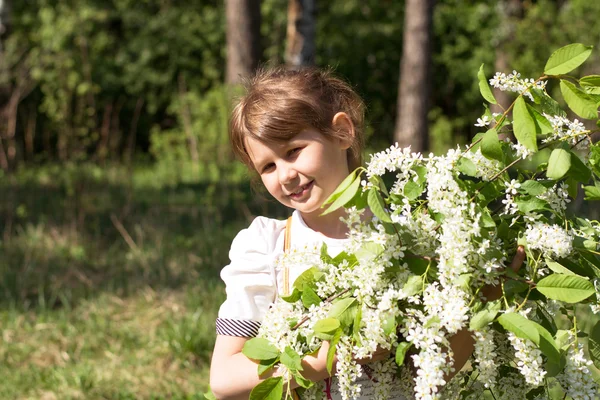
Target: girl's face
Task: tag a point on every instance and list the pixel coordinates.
(303, 172)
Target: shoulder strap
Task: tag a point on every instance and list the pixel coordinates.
(287, 242)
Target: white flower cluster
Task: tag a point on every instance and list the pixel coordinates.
(552, 240)
(529, 360)
(486, 168)
(419, 227)
(449, 303)
(577, 379)
(485, 357)
(510, 207)
(521, 151)
(348, 370)
(461, 222)
(514, 83)
(564, 129)
(393, 158)
(557, 197)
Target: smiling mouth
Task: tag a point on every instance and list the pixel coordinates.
(302, 190)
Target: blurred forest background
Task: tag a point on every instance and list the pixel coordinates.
(119, 196)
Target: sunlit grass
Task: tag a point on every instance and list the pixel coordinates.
(154, 344)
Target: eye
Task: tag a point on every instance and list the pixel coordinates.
(294, 151)
(267, 168)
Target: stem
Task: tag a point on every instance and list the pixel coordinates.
(327, 300)
(492, 393)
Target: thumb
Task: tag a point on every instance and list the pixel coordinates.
(518, 259)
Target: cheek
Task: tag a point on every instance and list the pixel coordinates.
(270, 184)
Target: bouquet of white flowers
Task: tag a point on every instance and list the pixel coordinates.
(428, 234)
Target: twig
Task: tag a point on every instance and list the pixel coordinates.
(126, 236)
(327, 300)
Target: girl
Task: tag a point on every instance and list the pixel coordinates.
(302, 133)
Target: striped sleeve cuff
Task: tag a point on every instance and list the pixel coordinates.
(237, 327)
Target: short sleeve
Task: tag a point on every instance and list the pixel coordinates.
(250, 281)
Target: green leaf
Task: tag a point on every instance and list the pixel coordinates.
(413, 285)
(567, 288)
(260, 349)
(529, 204)
(265, 365)
(412, 190)
(572, 187)
(401, 350)
(524, 125)
(520, 326)
(331, 351)
(594, 345)
(327, 325)
(546, 103)
(513, 286)
(543, 126)
(485, 316)
(592, 192)
(369, 250)
(303, 382)
(377, 205)
(559, 163)
(209, 395)
(433, 321)
(490, 145)
(310, 297)
(417, 265)
(590, 83)
(389, 324)
(553, 369)
(308, 277)
(344, 310)
(467, 167)
(567, 58)
(547, 344)
(269, 389)
(558, 268)
(377, 181)
(291, 359)
(341, 188)
(563, 339)
(484, 87)
(294, 297)
(344, 197)
(579, 170)
(580, 102)
(357, 320)
(533, 188)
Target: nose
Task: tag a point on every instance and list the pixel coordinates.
(287, 173)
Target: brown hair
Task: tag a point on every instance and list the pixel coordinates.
(280, 103)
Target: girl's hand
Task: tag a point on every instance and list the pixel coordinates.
(379, 355)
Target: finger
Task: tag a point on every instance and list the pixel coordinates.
(518, 259)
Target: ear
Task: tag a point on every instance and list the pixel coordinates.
(342, 123)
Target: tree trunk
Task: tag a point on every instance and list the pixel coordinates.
(186, 116)
(30, 132)
(413, 92)
(301, 31)
(243, 38)
(5, 13)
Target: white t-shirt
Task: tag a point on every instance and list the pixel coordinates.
(252, 283)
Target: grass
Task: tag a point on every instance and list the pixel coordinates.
(109, 286)
(155, 344)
